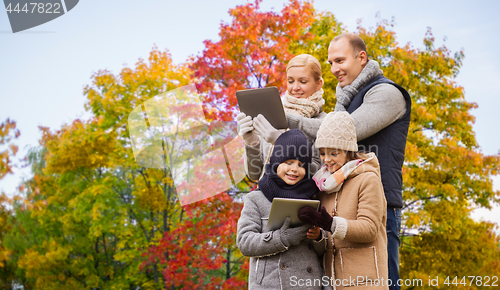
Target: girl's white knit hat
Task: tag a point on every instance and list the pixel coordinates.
(337, 131)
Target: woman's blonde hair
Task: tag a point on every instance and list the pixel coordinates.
(308, 61)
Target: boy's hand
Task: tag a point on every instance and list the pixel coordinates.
(292, 236)
(313, 233)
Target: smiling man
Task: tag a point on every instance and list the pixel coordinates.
(381, 111)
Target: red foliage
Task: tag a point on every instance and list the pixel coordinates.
(196, 248)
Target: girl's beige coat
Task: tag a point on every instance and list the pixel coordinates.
(359, 260)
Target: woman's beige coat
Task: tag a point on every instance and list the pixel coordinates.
(356, 256)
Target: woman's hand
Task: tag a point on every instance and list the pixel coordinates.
(247, 130)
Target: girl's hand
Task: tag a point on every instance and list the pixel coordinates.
(322, 219)
(313, 233)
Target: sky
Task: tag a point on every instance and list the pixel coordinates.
(44, 70)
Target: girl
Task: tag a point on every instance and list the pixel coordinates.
(283, 258)
(304, 97)
(353, 208)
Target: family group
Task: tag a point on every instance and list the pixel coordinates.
(350, 160)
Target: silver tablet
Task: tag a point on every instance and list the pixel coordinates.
(265, 101)
(283, 207)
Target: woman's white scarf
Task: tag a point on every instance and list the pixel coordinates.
(307, 107)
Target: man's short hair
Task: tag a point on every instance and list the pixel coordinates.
(357, 44)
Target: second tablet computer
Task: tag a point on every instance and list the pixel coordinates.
(287, 207)
(265, 101)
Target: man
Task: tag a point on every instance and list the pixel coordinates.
(381, 112)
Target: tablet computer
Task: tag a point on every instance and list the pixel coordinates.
(283, 207)
(264, 101)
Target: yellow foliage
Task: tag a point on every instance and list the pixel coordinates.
(79, 145)
(8, 132)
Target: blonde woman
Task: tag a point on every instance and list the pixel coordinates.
(303, 97)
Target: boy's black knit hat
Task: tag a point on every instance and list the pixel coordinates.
(292, 144)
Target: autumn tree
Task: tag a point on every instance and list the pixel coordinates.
(445, 174)
(94, 218)
(188, 243)
(91, 211)
(8, 133)
(251, 53)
